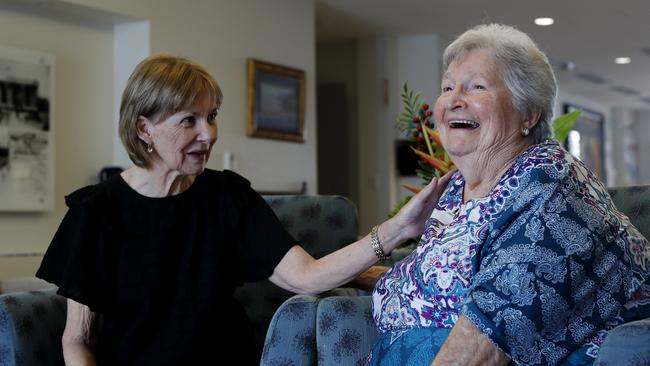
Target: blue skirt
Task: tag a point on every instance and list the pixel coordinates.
(419, 346)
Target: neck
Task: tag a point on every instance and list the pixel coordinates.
(157, 182)
(482, 170)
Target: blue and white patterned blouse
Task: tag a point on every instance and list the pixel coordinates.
(542, 265)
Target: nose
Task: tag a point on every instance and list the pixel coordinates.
(456, 100)
(207, 132)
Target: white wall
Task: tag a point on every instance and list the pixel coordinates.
(82, 119)
(218, 34)
(418, 64)
(222, 34)
(388, 61)
(377, 75)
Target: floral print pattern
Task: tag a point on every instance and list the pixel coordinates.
(543, 265)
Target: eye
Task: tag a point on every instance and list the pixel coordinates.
(446, 88)
(480, 87)
(188, 121)
(212, 117)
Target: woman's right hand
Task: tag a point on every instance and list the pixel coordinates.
(409, 221)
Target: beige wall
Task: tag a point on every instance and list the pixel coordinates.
(219, 34)
(82, 115)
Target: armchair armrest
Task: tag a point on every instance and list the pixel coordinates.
(323, 330)
(31, 326)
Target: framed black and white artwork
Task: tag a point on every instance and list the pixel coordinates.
(26, 125)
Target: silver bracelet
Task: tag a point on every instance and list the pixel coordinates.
(376, 245)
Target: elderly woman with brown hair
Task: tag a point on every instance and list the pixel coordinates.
(150, 258)
(525, 259)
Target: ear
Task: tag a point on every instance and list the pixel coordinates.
(144, 126)
(533, 119)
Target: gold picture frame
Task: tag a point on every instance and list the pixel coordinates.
(276, 101)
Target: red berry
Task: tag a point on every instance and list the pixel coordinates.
(425, 106)
(416, 119)
(419, 128)
(429, 113)
(420, 139)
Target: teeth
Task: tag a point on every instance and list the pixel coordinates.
(462, 123)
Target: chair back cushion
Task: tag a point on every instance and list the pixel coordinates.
(31, 326)
(635, 203)
(322, 224)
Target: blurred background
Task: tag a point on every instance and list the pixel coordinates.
(355, 55)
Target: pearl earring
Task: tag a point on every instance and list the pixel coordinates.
(525, 131)
(149, 148)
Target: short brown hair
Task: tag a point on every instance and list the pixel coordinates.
(161, 84)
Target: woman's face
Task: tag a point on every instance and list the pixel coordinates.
(183, 141)
(474, 112)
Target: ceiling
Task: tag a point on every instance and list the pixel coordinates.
(588, 34)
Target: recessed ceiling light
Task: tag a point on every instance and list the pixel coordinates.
(622, 60)
(544, 21)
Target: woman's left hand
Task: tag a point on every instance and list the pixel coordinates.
(410, 219)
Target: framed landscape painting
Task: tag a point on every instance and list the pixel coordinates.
(276, 101)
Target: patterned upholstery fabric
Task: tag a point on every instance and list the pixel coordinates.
(347, 324)
(635, 203)
(322, 224)
(627, 344)
(291, 339)
(31, 325)
(345, 332)
(344, 329)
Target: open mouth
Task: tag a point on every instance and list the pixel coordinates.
(463, 123)
(198, 153)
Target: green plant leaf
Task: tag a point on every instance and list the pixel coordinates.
(564, 124)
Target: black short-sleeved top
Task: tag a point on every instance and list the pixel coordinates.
(161, 272)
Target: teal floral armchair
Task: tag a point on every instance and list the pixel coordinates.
(31, 325)
(321, 224)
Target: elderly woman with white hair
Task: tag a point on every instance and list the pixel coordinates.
(525, 259)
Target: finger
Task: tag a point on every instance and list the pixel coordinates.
(444, 180)
(438, 184)
(429, 188)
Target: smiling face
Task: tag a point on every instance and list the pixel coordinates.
(182, 142)
(474, 112)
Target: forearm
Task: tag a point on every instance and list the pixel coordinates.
(300, 273)
(78, 354)
(467, 346)
(78, 339)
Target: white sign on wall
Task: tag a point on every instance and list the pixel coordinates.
(26, 125)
